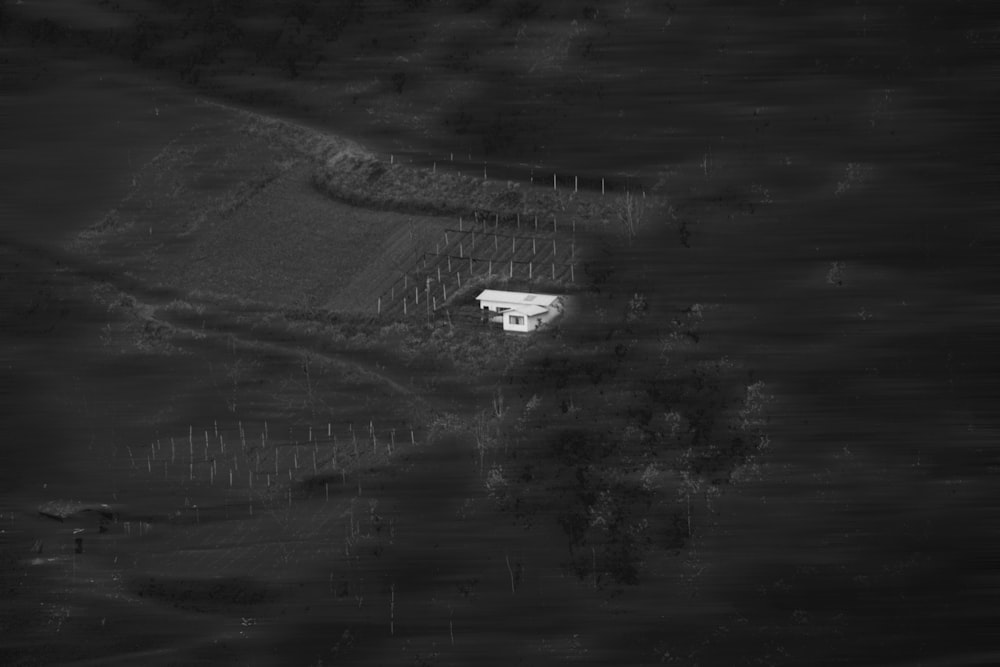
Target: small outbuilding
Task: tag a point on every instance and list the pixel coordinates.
(520, 311)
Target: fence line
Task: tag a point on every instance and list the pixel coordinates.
(533, 174)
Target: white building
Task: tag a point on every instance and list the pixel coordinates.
(520, 311)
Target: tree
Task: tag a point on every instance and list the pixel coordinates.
(631, 209)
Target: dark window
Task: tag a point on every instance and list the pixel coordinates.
(516, 319)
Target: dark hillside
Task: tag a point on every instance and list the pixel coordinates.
(764, 434)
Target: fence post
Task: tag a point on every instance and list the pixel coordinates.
(553, 181)
(576, 184)
(602, 186)
(416, 295)
(444, 292)
(439, 273)
(572, 278)
(459, 274)
(512, 268)
(553, 272)
(529, 269)
(404, 305)
(536, 223)
(449, 263)
(380, 305)
(533, 251)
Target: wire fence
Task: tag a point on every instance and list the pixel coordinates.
(536, 174)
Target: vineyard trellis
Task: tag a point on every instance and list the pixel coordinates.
(483, 247)
(258, 464)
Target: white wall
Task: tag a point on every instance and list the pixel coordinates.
(507, 326)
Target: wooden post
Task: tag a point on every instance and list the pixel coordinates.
(446, 237)
(392, 159)
(496, 243)
(512, 268)
(536, 223)
(532, 245)
(484, 171)
(404, 305)
(439, 273)
(380, 305)
(519, 221)
(602, 187)
(571, 276)
(529, 269)
(444, 292)
(553, 181)
(459, 223)
(449, 263)
(553, 272)
(459, 274)
(555, 228)
(490, 272)
(416, 295)
(435, 302)
(513, 245)
(461, 249)
(553, 248)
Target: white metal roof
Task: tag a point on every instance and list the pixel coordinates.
(529, 311)
(517, 298)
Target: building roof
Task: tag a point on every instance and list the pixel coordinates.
(529, 311)
(517, 298)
